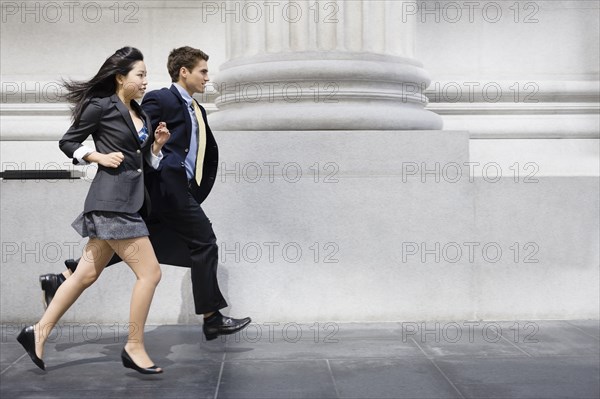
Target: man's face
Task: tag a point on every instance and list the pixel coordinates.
(195, 79)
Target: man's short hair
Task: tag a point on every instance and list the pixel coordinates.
(184, 57)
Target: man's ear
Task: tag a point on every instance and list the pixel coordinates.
(183, 72)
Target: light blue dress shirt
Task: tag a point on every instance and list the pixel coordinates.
(190, 159)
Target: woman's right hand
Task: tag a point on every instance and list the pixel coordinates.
(111, 160)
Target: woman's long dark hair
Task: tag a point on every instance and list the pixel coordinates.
(104, 83)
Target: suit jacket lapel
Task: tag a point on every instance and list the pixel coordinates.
(186, 113)
(127, 117)
(147, 122)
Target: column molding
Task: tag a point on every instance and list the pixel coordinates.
(351, 75)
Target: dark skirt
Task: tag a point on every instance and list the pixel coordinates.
(106, 225)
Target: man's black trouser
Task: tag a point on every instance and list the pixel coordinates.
(184, 237)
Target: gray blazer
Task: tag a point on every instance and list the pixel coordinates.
(108, 121)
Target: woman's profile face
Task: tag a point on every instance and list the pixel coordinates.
(135, 82)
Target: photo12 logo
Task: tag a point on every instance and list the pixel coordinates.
(276, 171)
(69, 11)
(453, 12)
(32, 92)
(470, 251)
(454, 172)
(469, 331)
(278, 252)
(74, 332)
(270, 11)
(291, 333)
(40, 252)
(486, 92)
(288, 92)
(57, 252)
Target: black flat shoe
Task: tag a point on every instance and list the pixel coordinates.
(223, 325)
(27, 339)
(50, 284)
(130, 364)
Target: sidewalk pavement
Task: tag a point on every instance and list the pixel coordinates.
(485, 359)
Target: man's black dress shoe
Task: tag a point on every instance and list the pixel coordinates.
(223, 325)
(50, 283)
(130, 364)
(71, 264)
(27, 338)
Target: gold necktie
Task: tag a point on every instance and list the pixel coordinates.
(201, 142)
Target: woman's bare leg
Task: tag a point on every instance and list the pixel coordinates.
(139, 255)
(96, 255)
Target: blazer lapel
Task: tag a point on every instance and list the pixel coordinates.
(126, 116)
(186, 113)
(148, 123)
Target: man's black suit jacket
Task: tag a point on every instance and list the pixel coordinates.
(168, 185)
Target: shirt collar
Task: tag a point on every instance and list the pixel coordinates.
(184, 94)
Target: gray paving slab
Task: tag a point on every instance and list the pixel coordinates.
(277, 379)
(410, 378)
(9, 354)
(505, 359)
(331, 341)
(104, 374)
(87, 360)
(589, 327)
(524, 377)
(468, 338)
(550, 338)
